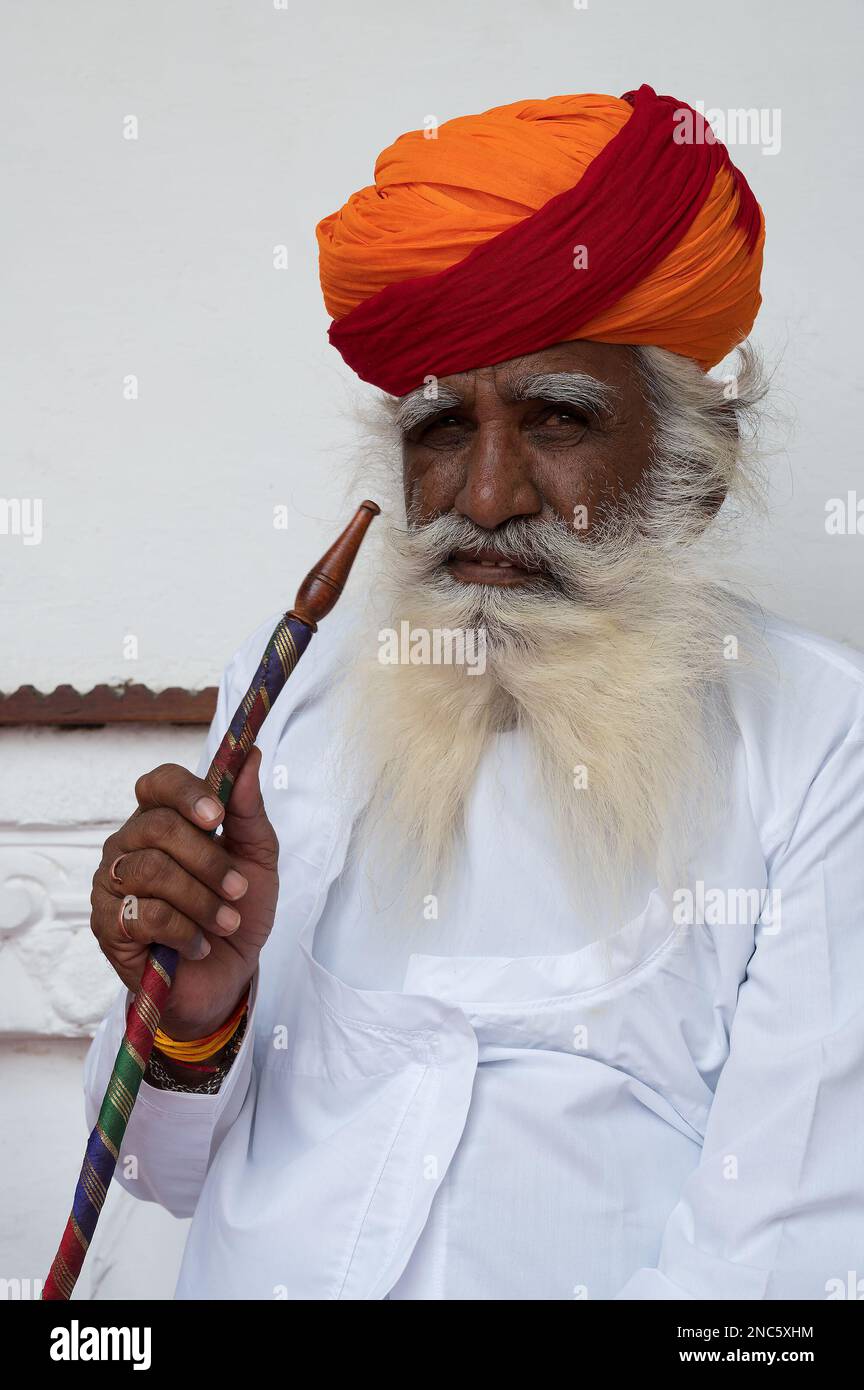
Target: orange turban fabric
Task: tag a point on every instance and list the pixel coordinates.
(620, 220)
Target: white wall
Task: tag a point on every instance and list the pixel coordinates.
(155, 257)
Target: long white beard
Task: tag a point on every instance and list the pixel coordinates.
(616, 675)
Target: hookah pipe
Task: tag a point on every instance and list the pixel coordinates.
(316, 596)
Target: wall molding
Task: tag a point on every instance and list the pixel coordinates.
(54, 980)
(107, 704)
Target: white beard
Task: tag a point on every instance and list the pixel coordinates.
(619, 685)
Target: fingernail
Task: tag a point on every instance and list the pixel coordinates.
(203, 949)
(234, 885)
(229, 919)
(206, 808)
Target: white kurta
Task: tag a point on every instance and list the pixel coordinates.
(500, 1107)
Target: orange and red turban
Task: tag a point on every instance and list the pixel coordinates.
(541, 222)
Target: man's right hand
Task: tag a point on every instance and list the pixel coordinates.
(212, 900)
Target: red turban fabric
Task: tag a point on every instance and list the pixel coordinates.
(620, 220)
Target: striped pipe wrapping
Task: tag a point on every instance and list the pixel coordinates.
(287, 644)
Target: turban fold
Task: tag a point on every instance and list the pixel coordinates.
(620, 220)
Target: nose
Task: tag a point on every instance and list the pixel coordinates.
(497, 485)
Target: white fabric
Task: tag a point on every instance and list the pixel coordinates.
(676, 1114)
(367, 936)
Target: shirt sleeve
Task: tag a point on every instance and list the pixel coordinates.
(775, 1208)
(172, 1136)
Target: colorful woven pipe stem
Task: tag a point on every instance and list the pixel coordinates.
(103, 1146)
(283, 651)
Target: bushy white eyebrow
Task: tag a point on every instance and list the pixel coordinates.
(422, 403)
(578, 389)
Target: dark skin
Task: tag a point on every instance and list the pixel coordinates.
(497, 458)
(493, 459)
(212, 900)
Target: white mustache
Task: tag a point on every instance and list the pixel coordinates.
(547, 547)
(578, 567)
(521, 542)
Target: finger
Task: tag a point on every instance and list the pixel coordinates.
(174, 786)
(246, 823)
(151, 873)
(162, 828)
(117, 922)
(246, 800)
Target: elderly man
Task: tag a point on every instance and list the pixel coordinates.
(527, 962)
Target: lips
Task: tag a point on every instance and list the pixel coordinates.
(487, 566)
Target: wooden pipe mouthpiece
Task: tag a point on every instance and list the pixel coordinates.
(325, 581)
